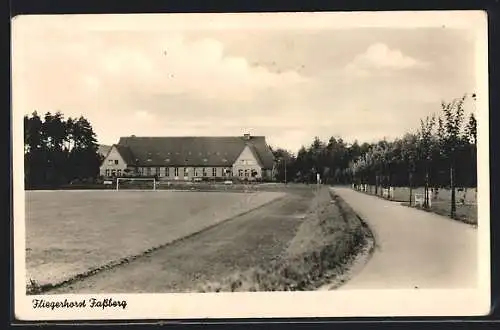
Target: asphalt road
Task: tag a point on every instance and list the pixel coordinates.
(414, 249)
(245, 241)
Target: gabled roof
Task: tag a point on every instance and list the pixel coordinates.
(126, 153)
(103, 149)
(263, 153)
(192, 151)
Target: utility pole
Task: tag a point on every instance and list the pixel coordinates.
(453, 209)
(284, 160)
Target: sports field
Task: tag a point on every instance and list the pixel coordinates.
(70, 232)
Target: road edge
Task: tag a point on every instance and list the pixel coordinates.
(357, 261)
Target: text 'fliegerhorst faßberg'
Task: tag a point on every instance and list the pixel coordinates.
(83, 303)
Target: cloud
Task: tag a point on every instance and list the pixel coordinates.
(143, 115)
(114, 78)
(165, 82)
(73, 65)
(379, 57)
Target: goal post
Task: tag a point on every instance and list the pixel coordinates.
(123, 180)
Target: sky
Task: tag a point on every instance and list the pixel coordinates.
(287, 78)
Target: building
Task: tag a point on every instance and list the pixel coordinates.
(103, 150)
(186, 158)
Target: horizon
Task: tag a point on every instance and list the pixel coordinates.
(287, 84)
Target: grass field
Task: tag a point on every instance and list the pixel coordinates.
(70, 232)
(298, 242)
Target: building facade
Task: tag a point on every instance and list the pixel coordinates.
(190, 158)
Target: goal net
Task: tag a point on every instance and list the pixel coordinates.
(136, 183)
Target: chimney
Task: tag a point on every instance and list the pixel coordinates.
(246, 136)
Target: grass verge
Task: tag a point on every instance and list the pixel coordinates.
(464, 213)
(325, 243)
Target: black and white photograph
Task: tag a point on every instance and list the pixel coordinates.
(175, 166)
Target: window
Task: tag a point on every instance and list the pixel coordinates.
(246, 174)
(204, 171)
(110, 162)
(196, 172)
(158, 171)
(240, 172)
(186, 171)
(107, 172)
(119, 172)
(167, 171)
(148, 171)
(113, 172)
(116, 161)
(176, 171)
(214, 171)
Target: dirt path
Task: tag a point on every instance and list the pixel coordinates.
(414, 249)
(245, 241)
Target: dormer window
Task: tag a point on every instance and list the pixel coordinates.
(149, 160)
(205, 160)
(167, 160)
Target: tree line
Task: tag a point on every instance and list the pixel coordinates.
(59, 151)
(440, 153)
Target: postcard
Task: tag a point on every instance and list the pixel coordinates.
(251, 165)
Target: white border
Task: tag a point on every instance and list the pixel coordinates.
(280, 304)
